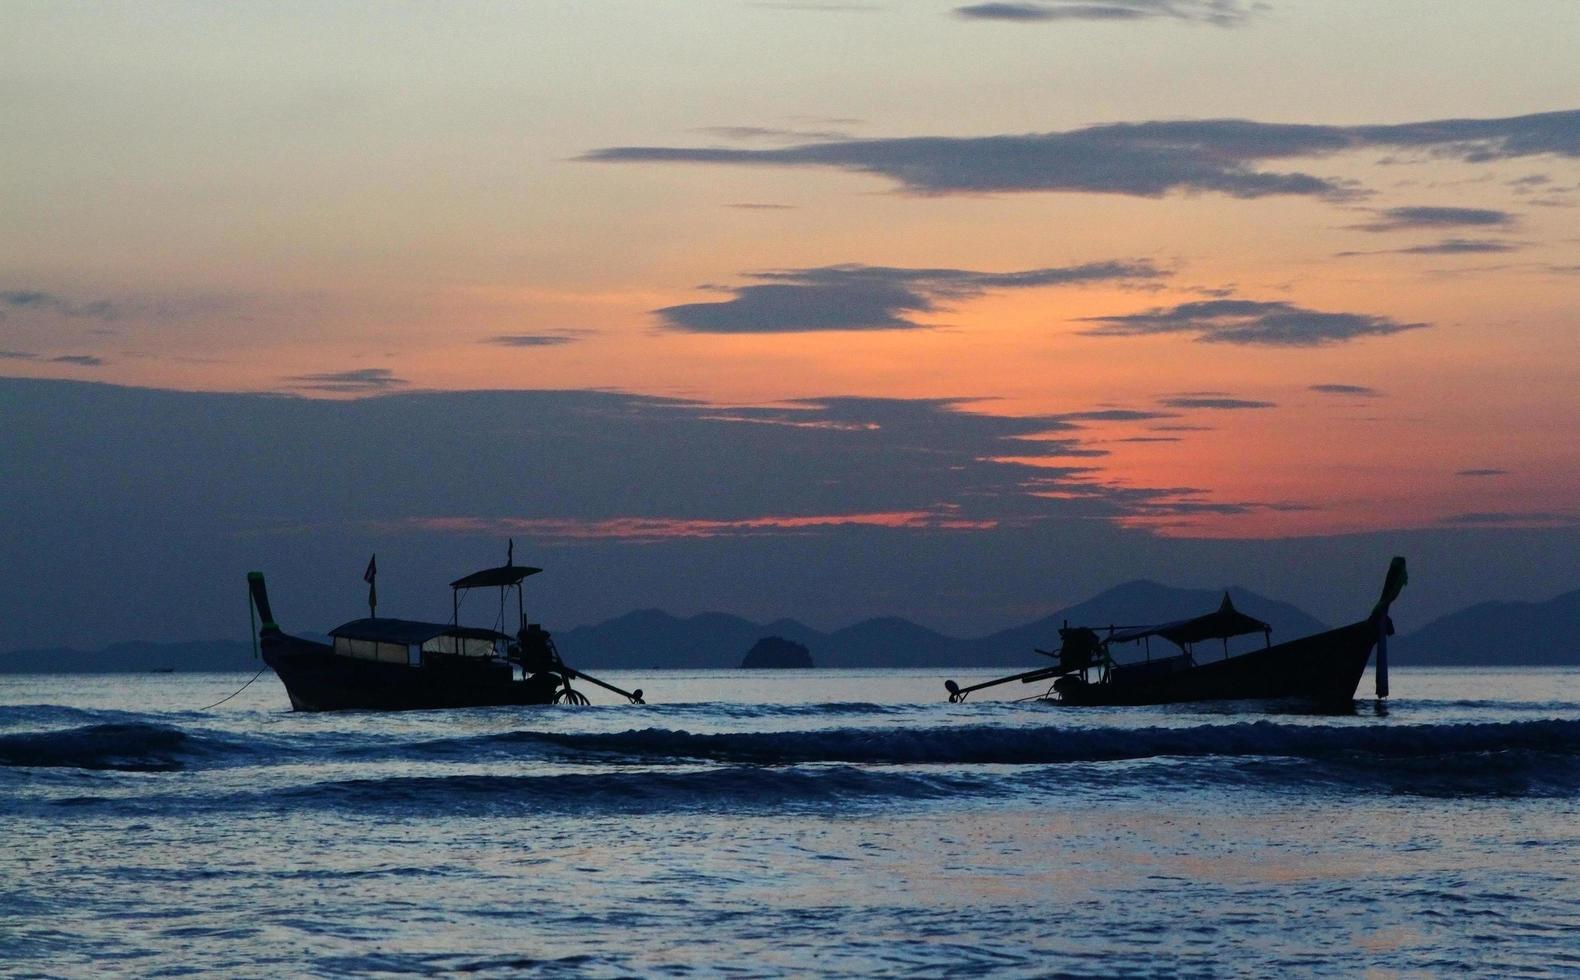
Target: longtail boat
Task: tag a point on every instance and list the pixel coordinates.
(384, 664)
(1323, 669)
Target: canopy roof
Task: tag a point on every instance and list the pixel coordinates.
(409, 631)
(1226, 622)
(503, 575)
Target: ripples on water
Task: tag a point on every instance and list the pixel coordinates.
(766, 824)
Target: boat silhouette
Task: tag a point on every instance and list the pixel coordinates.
(384, 664)
(1323, 669)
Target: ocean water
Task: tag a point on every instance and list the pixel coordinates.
(834, 823)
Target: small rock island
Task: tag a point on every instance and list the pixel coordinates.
(779, 653)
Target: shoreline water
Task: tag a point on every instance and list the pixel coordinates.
(758, 824)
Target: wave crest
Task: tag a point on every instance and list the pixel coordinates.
(1003, 745)
(132, 747)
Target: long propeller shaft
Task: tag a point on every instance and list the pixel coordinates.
(635, 696)
(958, 693)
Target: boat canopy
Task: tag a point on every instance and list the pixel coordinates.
(504, 575)
(409, 631)
(1226, 622)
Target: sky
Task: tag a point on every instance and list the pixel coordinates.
(957, 311)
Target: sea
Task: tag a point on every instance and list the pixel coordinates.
(789, 823)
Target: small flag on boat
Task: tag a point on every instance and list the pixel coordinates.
(369, 576)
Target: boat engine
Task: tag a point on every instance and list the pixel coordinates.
(1069, 682)
(1079, 649)
(535, 651)
(546, 671)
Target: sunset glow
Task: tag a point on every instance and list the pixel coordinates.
(1236, 294)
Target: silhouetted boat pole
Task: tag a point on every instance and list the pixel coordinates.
(1392, 586)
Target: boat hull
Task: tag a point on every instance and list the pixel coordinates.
(317, 679)
(1324, 669)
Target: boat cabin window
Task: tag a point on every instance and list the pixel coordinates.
(463, 646)
(390, 653)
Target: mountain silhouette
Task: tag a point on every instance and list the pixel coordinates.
(651, 638)
(133, 657)
(1536, 633)
(1531, 633)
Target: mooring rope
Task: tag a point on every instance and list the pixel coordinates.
(238, 690)
(252, 619)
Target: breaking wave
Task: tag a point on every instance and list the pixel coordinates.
(131, 747)
(142, 746)
(1005, 745)
(741, 787)
(660, 769)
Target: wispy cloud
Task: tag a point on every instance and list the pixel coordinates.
(816, 6)
(651, 530)
(1250, 322)
(1353, 391)
(1482, 471)
(771, 133)
(1115, 415)
(81, 360)
(1513, 519)
(358, 381)
(1462, 246)
(1147, 159)
(532, 339)
(36, 301)
(864, 297)
(1215, 402)
(1446, 246)
(1223, 13)
(1413, 218)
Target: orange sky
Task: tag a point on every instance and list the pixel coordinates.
(256, 203)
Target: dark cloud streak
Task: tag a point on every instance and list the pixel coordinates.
(1250, 323)
(531, 340)
(863, 297)
(1217, 403)
(358, 381)
(1223, 13)
(1446, 246)
(1411, 218)
(1147, 159)
(35, 301)
(1354, 391)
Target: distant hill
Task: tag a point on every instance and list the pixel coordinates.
(651, 638)
(1533, 633)
(777, 653)
(1544, 633)
(133, 658)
